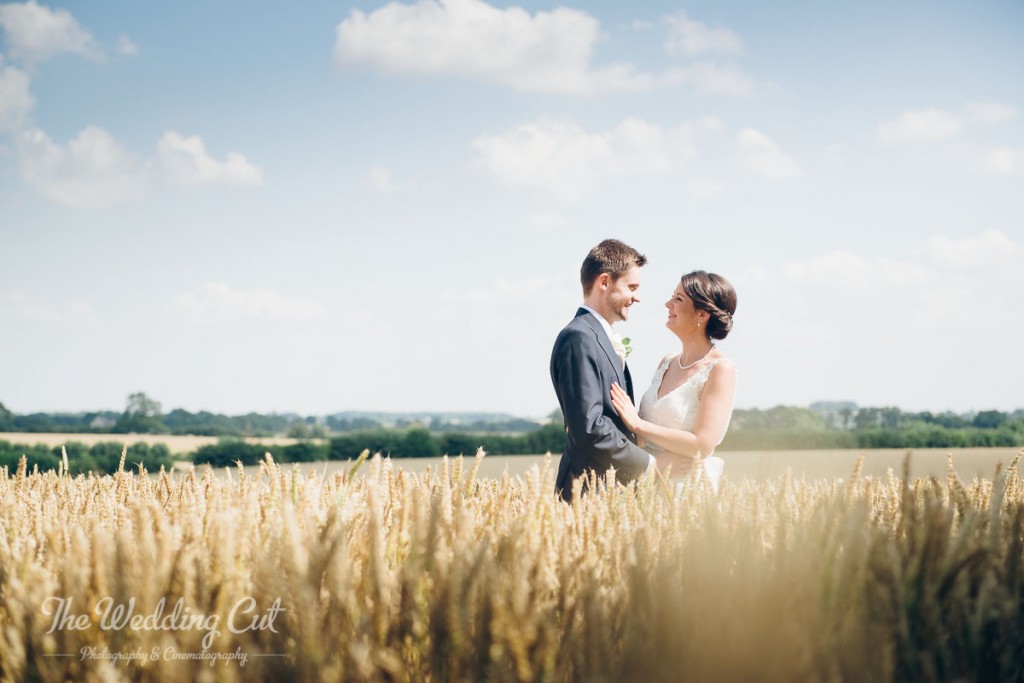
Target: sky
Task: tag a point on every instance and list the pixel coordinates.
(316, 207)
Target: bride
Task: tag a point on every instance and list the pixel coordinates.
(685, 413)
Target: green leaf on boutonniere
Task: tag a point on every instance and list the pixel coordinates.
(625, 344)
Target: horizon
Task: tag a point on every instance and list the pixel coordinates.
(484, 414)
(384, 205)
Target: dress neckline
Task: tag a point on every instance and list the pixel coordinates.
(658, 396)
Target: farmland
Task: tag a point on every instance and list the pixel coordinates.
(759, 465)
(178, 444)
(381, 573)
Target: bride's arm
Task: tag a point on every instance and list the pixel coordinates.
(674, 464)
(713, 414)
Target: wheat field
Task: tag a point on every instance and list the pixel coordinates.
(380, 574)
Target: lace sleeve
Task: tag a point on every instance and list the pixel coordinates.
(707, 375)
(659, 371)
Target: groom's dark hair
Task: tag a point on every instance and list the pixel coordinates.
(612, 257)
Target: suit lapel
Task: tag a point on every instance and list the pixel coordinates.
(606, 344)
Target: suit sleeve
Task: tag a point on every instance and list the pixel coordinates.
(585, 407)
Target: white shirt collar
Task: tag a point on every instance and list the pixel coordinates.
(604, 323)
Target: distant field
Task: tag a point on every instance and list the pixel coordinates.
(754, 465)
(177, 444)
(759, 465)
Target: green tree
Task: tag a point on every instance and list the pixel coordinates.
(307, 429)
(456, 443)
(304, 451)
(6, 419)
(141, 416)
(227, 452)
(990, 419)
(779, 418)
(891, 417)
(419, 443)
(549, 438)
(867, 418)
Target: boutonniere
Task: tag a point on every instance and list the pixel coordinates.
(625, 345)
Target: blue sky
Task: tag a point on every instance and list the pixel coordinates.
(383, 206)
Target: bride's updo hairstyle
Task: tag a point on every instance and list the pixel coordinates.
(712, 293)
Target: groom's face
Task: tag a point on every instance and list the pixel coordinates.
(622, 294)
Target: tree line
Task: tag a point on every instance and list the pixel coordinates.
(144, 415)
(102, 458)
(821, 426)
(416, 442)
(846, 425)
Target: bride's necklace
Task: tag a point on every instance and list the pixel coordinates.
(679, 360)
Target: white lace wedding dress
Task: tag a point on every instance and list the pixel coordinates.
(678, 409)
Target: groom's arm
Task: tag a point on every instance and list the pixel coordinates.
(584, 397)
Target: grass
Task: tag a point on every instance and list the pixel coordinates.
(384, 574)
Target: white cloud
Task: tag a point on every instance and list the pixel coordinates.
(926, 124)
(502, 290)
(850, 272)
(691, 37)
(947, 284)
(952, 306)
(565, 160)
(759, 153)
(560, 158)
(127, 47)
(35, 33)
(183, 162)
(549, 51)
(937, 124)
(214, 300)
(988, 113)
(755, 279)
(513, 313)
(705, 188)
(93, 170)
(712, 78)
(16, 100)
(999, 160)
(541, 52)
(381, 180)
(990, 248)
(35, 309)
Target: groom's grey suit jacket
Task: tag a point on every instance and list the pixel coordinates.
(583, 368)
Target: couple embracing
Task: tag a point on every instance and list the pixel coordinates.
(685, 412)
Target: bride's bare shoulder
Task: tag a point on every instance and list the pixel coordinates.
(723, 365)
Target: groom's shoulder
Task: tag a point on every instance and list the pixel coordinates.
(576, 331)
(579, 324)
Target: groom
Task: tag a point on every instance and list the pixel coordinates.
(587, 358)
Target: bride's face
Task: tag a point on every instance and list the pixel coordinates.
(682, 316)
